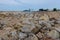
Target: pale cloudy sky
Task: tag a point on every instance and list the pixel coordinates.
(26, 4)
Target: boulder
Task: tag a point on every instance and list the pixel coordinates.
(53, 34)
(45, 24)
(27, 28)
(57, 28)
(31, 37)
(39, 35)
(44, 17)
(22, 35)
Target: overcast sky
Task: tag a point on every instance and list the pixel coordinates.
(26, 4)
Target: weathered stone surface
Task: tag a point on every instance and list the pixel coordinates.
(53, 34)
(44, 17)
(57, 28)
(45, 23)
(58, 22)
(22, 35)
(31, 37)
(39, 35)
(29, 26)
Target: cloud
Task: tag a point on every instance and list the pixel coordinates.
(9, 2)
(22, 2)
(38, 2)
(32, 2)
(26, 4)
(29, 2)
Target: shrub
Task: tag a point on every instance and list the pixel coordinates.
(40, 9)
(54, 9)
(43, 9)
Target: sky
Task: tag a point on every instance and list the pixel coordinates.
(17, 5)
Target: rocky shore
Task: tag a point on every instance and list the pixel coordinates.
(30, 26)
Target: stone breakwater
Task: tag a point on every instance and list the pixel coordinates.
(29, 26)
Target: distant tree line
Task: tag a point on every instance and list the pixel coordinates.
(43, 9)
(54, 9)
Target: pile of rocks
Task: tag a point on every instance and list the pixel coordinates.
(29, 27)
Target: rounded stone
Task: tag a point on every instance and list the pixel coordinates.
(22, 35)
(39, 35)
(53, 34)
(44, 17)
(57, 28)
(31, 37)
